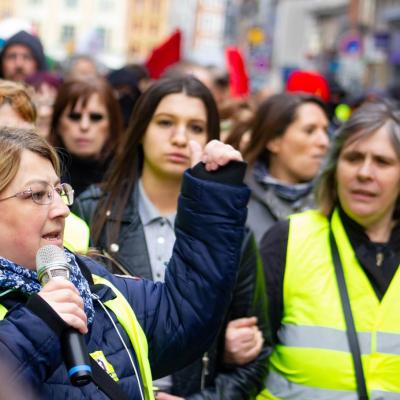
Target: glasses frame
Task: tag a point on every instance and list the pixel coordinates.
(66, 194)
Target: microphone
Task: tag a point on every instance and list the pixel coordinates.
(51, 263)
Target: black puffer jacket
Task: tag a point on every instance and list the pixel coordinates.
(249, 299)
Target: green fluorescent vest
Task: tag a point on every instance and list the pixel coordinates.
(76, 234)
(313, 360)
(126, 317)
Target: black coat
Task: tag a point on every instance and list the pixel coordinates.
(249, 299)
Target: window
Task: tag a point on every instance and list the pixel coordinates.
(71, 3)
(154, 27)
(105, 5)
(155, 5)
(210, 23)
(103, 38)
(67, 33)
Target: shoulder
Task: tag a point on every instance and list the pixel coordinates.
(275, 237)
(86, 203)
(92, 193)
(310, 220)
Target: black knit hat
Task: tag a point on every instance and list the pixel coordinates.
(30, 41)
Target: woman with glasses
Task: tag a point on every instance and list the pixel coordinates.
(132, 328)
(86, 128)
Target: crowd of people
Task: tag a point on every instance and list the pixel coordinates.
(217, 248)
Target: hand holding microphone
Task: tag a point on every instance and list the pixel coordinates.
(53, 273)
(64, 299)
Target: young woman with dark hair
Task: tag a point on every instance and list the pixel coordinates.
(288, 142)
(132, 216)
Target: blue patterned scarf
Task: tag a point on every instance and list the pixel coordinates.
(291, 192)
(13, 276)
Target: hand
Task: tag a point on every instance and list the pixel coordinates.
(243, 341)
(64, 298)
(166, 396)
(214, 155)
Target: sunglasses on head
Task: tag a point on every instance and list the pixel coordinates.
(93, 116)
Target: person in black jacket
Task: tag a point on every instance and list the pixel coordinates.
(140, 201)
(86, 127)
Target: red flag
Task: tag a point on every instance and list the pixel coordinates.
(238, 78)
(308, 82)
(164, 55)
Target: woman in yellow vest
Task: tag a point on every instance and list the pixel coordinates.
(332, 275)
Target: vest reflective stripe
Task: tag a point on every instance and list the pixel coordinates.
(313, 353)
(388, 343)
(126, 317)
(318, 337)
(76, 234)
(281, 388)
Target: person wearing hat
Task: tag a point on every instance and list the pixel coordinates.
(21, 56)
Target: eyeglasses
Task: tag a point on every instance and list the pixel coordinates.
(93, 116)
(43, 193)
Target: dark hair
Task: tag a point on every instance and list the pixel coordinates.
(70, 93)
(271, 120)
(124, 172)
(364, 122)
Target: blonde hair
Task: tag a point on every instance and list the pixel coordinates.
(12, 143)
(18, 97)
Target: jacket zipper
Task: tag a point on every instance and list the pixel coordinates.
(204, 371)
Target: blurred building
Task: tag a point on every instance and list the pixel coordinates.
(83, 26)
(382, 37)
(354, 42)
(148, 24)
(121, 31)
(6, 8)
(208, 35)
(182, 15)
(250, 24)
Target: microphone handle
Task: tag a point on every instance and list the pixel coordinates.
(76, 357)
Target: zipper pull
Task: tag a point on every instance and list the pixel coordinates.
(204, 372)
(379, 258)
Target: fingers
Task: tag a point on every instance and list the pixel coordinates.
(217, 154)
(243, 341)
(65, 300)
(253, 351)
(196, 152)
(214, 155)
(243, 322)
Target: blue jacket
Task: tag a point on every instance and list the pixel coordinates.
(180, 318)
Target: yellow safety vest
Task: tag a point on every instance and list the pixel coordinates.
(76, 234)
(313, 359)
(127, 318)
